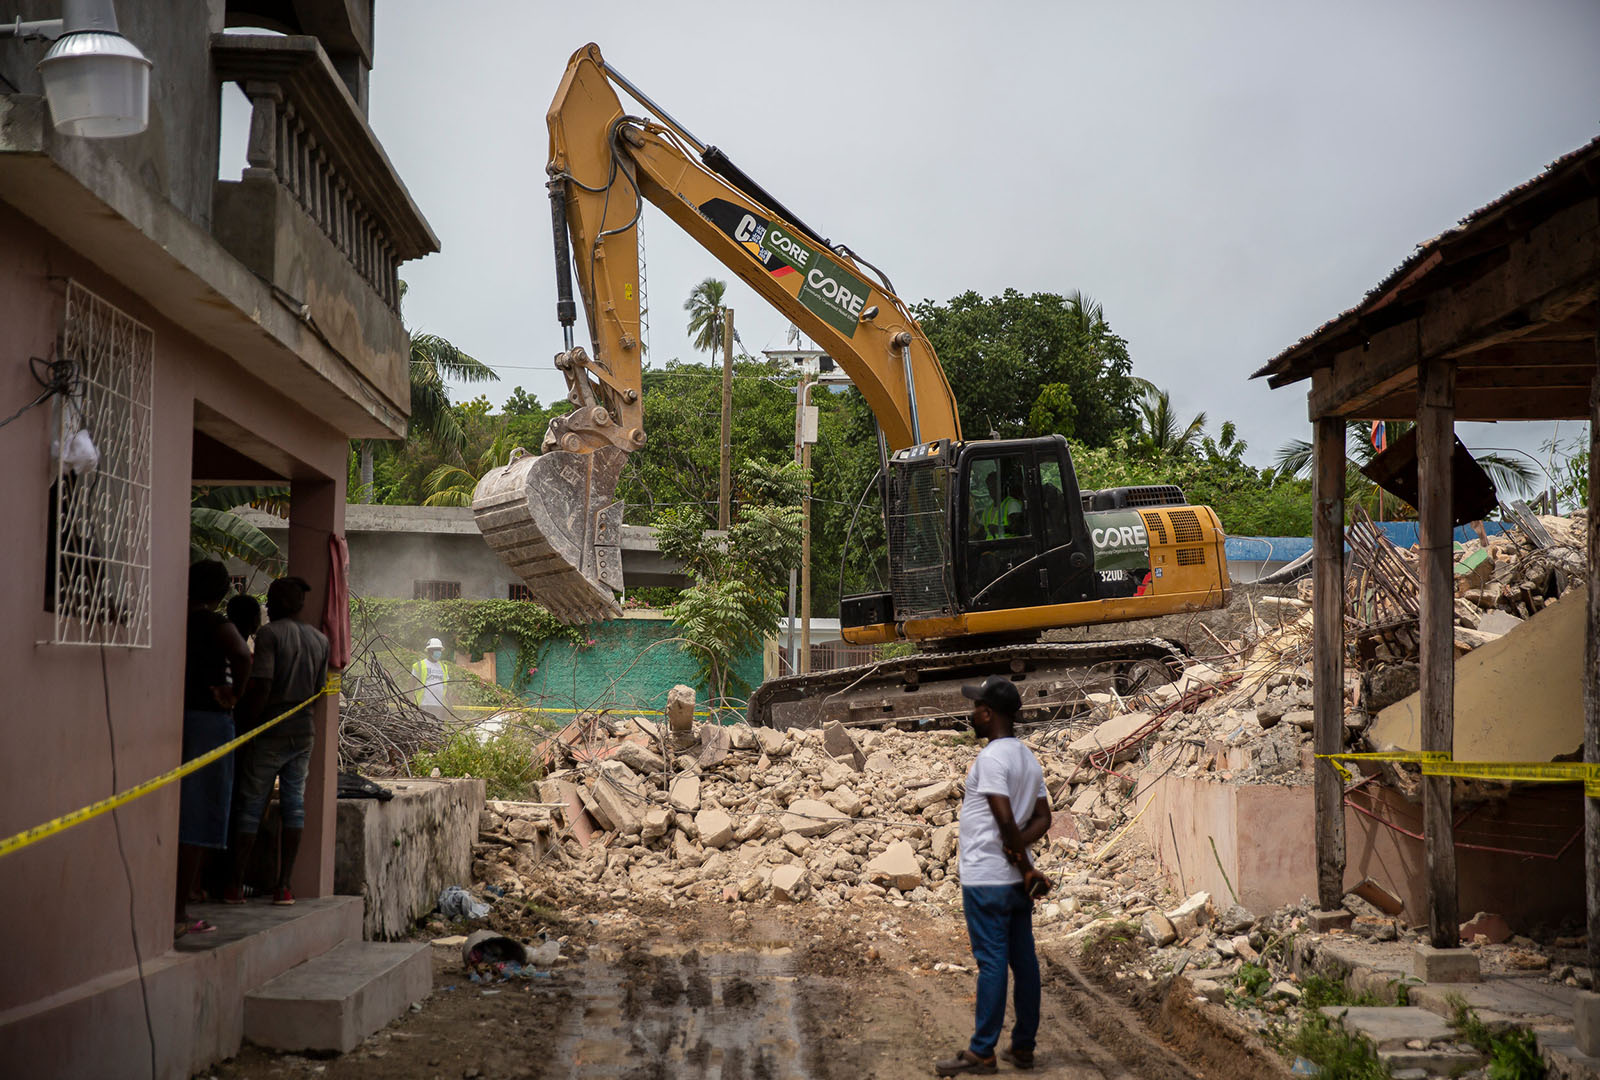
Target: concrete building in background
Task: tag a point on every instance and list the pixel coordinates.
(437, 553)
(233, 331)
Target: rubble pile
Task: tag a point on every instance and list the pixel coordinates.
(639, 811)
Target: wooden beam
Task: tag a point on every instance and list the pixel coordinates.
(1556, 403)
(1591, 672)
(1435, 447)
(1327, 683)
(1549, 276)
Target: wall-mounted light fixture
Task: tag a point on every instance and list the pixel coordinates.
(96, 80)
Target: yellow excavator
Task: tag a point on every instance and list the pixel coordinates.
(990, 542)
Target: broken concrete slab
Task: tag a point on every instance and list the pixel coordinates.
(684, 793)
(1323, 922)
(1158, 929)
(841, 746)
(808, 817)
(715, 745)
(922, 798)
(1112, 732)
(943, 842)
(896, 867)
(620, 795)
(1192, 914)
(845, 800)
(1523, 1000)
(657, 821)
(1498, 622)
(638, 758)
(1390, 1027)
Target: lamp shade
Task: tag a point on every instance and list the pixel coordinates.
(98, 85)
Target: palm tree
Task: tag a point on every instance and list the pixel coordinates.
(1160, 434)
(452, 485)
(705, 307)
(1295, 459)
(433, 360)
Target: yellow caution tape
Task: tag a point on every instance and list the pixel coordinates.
(95, 809)
(1415, 757)
(1440, 763)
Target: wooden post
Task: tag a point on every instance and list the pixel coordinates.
(1436, 395)
(725, 500)
(1327, 684)
(1591, 677)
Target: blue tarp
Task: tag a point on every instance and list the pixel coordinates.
(1283, 549)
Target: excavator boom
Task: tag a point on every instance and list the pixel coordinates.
(553, 516)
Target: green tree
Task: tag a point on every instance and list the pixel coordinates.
(706, 313)
(433, 360)
(739, 583)
(1160, 433)
(1001, 353)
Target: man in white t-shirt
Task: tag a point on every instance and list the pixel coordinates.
(1005, 809)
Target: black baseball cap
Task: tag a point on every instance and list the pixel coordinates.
(997, 692)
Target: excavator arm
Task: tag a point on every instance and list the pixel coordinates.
(553, 517)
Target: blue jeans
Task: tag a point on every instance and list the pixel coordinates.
(269, 757)
(204, 794)
(1000, 926)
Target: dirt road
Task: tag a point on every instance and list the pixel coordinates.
(774, 996)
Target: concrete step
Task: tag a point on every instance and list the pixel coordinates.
(332, 1002)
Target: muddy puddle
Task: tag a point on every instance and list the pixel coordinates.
(667, 1010)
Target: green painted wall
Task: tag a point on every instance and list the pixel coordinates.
(631, 665)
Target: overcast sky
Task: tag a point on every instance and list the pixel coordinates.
(1222, 177)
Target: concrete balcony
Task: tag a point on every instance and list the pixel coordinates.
(319, 213)
(290, 271)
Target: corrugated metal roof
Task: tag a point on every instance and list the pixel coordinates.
(1428, 255)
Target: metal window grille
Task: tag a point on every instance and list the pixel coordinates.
(919, 550)
(100, 513)
(436, 590)
(518, 592)
(238, 583)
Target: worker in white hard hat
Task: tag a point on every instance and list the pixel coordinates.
(431, 673)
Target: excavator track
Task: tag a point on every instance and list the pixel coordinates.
(925, 688)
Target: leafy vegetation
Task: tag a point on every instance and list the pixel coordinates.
(1513, 1053)
(1338, 1053)
(738, 582)
(216, 532)
(504, 761)
(707, 312)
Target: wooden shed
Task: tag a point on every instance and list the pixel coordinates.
(1495, 319)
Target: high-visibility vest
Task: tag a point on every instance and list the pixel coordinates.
(996, 519)
(419, 671)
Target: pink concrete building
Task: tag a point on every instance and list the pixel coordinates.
(232, 331)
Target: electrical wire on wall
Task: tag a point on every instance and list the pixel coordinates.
(59, 377)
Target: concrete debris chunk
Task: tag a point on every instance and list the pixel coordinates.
(808, 817)
(839, 744)
(944, 842)
(680, 708)
(638, 758)
(656, 823)
(925, 797)
(684, 794)
(1192, 914)
(844, 800)
(715, 745)
(715, 828)
(773, 743)
(896, 868)
(789, 883)
(1110, 733)
(1158, 929)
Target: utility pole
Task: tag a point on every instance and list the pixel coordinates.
(805, 435)
(724, 504)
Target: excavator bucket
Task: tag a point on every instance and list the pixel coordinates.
(553, 519)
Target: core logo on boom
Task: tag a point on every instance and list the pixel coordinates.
(828, 290)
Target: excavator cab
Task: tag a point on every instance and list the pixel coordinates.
(1020, 539)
